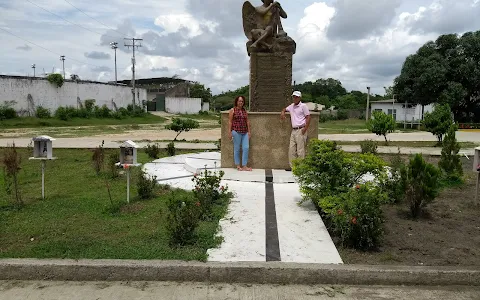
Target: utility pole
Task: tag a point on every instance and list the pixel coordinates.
(114, 47)
(133, 62)
(62, 58)
(33, 67)
(368, 103)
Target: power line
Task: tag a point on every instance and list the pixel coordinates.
(122, 34)
(101, 34)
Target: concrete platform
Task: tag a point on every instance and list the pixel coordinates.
(264, 221)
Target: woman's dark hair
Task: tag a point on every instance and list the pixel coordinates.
(236, 100)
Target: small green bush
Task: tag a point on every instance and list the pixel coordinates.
(450, 162)
(42, 112)
(90, 105)
(420, 182)
(327, 177)
(56, 79)
(180, 125)
(62, 114)
(153, 151)
(102, 112)
(7, 113)
(113, 158)
(369, 146)
(183, 218)
(210, 193)
(146, 185)
(356, 216)
(171, 149)
(342, 114)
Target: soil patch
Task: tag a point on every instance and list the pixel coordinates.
(448, 236)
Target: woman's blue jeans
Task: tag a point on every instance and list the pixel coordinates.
(240, 139)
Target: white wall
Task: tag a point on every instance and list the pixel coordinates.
(49, 96)
(183, 105)
(206, 106)
(414, 113)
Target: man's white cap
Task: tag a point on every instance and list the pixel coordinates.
(297, 93)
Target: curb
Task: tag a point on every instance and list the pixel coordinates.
(237, 272)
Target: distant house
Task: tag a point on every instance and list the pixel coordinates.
(401, 111)
(314, 106)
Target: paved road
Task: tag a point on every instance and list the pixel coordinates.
(38, 290)
(462, 136)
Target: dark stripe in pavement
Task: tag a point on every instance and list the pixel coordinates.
(271, 230)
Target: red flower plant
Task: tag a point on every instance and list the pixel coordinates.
(197, 204)
(340, 212)
(354, 220)
(357, 187)
(222, 188)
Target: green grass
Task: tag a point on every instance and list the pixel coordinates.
(32, 122)
(74, 221)
(413, 144)
(209, 117)
(350, 126)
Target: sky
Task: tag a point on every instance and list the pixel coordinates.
(359, 42)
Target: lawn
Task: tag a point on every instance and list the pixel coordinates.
(410, 144)
(32, 122)
(75, 219)
(350, 126)
(449, 235)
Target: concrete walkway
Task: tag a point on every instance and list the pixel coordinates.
(462, 136)
(264, 222)
(113, 143)
(106, 290)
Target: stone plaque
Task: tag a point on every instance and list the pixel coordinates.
(270, 81)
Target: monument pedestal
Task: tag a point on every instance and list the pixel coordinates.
(270, 81)
(269, 142)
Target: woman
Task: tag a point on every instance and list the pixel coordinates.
(239, 132)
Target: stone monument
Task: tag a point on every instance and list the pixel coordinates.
(271, 51)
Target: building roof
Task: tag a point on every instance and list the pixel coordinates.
(129, 144)
(43, 138)
(385, 101)
(155, 81)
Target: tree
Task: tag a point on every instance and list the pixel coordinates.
(450, 160)
(444, 71)
(381, 124)
(180, 125)
(199, 91)
(439, 121)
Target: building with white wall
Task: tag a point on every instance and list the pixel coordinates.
(31, 92)
(401, 112)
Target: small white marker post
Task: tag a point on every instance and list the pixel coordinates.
(43, 151)
(476, 169)
(128, 159)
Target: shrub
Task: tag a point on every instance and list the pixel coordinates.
(342, 114)
(327, 176)
(393, 184)
(369, 146)
(420, 182)
(450, 160)
(327, 170)
(102, 112)
(153, 151)
(146, 185)
(171, 149)
(98, 158)
(90, 105)
(113, 158)
(42, 112)
(62, 114)
(356, 216)
(439, 121)
(210, 193)
(7, 111)
(381, 124)
(183, 217)
(11, 164)
(55, 79)
(180, 125)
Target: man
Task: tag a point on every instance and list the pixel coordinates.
(300, 117)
